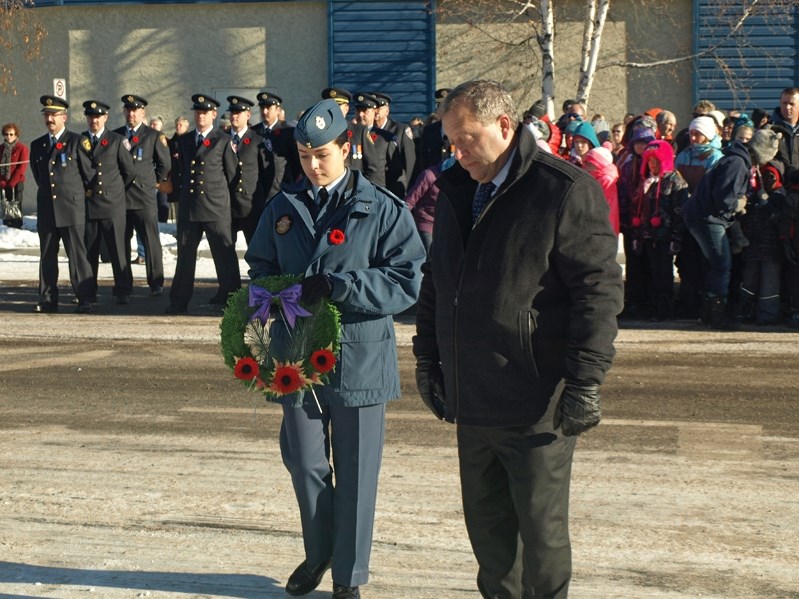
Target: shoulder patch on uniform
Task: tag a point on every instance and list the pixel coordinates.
(86, 144)
(409, 133)
(283, 224)
(162, 138)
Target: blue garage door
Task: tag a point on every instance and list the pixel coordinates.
(387, 47)
(748, 68)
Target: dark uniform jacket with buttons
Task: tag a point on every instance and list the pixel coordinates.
(433, 148)
(255, 174)
(113, 166)
(280, 143)
(151, 164)
(204, 175)
(524, 299)
(380, 159)
(61, 174)
(401, 178)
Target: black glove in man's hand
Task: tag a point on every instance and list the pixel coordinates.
(315, 287)
(430, 382)
(578, 409)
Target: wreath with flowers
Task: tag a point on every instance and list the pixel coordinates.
(313, 331)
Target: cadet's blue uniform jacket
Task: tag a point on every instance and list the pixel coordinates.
(375, 273)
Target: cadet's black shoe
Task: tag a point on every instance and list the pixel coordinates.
(84, 308)
(156, 291)
(342, 592)
(176, 309)
(123, 300)
(45, 308)
(306, 578)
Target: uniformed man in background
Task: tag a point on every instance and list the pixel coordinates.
(152, 164)
(203, 167)
(379, 153)
(403, 134)
(279, 142)
(105, 198)
(434, 145)
(341, 97)
(61, 166)
(255, 174)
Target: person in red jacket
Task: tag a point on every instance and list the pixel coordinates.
(14, 157)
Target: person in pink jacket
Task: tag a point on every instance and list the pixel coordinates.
(599, 163)
(14, 157)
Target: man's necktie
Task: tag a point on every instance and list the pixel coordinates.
(236, 138)
(94, 141)
(481, 198)
(130, 135)
(322, 197)
(52, 141)
(199, 140)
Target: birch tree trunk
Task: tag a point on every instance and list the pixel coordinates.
(545, 43)
(589, 59)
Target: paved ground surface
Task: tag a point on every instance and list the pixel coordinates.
(133, 465)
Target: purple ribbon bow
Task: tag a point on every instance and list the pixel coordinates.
(289, 301)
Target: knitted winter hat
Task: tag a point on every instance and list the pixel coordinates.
(664, 153)
(764, 145)
(705, 125)
(586, 131)
(598, 157)
(717, 116)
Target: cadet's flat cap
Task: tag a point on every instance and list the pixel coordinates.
(239, 104)
(269, 99)
(95, 108)
(382, 99)
(364, 100)
(203, 102)
(53, 104)
(339, 95)
(320, 124)
(441, 94)
(131, 101)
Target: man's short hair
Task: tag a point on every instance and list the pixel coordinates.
(704, 106)
(488, 100)
(663, 116)
(180, 119)
(789, 91)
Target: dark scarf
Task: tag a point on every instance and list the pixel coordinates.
(5, 158)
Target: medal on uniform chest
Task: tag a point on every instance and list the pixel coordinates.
(138, 153)
(63, 159)
(283, 224)
(358, 151)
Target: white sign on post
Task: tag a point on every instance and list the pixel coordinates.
(60, 88)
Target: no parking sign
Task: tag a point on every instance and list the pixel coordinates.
(60, 88)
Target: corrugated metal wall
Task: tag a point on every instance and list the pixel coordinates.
(387, 47)
(748, 68)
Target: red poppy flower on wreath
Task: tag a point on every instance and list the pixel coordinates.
(135, 139)
(59, 146)
(336, 237)
(288, 378)
(104, 142)
(246, 141)
(206, 142)
(373, 136)
(246, 369)
(323, 360)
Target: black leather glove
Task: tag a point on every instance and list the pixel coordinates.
(430, 383)
(790, 253)
(315, 287)
(578, 409)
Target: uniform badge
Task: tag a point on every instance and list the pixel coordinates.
(409, 133)
(163, 140)
(283, 225)
(320, 122)
(87, 145)
(268, 145)
(125, 143)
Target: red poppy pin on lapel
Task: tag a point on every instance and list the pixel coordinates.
(336, 237)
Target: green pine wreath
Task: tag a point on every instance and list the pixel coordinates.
(307, 360)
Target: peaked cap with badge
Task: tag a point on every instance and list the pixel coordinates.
(338, 94)
(204, 102)
(365, 100)
(132, 101)
(95, 108)
(268, 99)
(53, 104)
(381, 98)
(320, 124)
(239, 104)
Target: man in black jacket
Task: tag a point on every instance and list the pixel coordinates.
(515, 328)
(203, 167)
(152, 164)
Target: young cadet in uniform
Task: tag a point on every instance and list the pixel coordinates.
(61, 166)
(151, 163)
(278, 142)
(370, 271)
(403, 135)
(255, 172)
(105, 199)
(380, 156)
(203, 167)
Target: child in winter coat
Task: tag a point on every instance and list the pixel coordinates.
(599, 164)
(656, 227)
(759, 297)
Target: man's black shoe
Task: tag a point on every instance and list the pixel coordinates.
(156, 291)
(342, 592)
(84, 308)
(218, 300)
(306, 578)
(45, 308)
(176, 309)
(123, 300)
